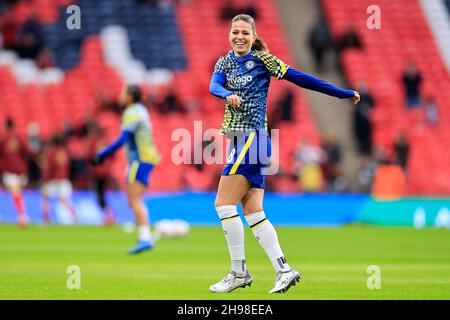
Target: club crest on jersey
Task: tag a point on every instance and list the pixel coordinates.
(249, 64)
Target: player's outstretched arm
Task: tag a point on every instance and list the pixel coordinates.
(312, 83)
(112, 148)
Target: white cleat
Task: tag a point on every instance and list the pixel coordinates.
(285, 280)
(232, 281)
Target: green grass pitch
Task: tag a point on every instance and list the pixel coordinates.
(414, 264)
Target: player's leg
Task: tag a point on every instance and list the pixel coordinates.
(265, 234)
(14, 184)
(230, 192)
(135, 191)
(137, 180)
(100, 192)
(45, 204)
(64, 190)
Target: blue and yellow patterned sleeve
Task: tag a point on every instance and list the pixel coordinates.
(220, 66)
(130, 121)
(274, 66)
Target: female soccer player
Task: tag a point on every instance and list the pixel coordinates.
(14, 153)
(56, 178)
(242, 79)
(142, 156)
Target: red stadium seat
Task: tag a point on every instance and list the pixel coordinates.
(404, 36)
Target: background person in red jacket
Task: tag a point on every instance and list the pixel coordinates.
(56, 173)
(14, 153)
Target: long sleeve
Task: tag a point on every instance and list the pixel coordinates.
(109, 150)
(216, 86)
(309, 82)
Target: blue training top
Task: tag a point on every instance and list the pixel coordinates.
(249, 78)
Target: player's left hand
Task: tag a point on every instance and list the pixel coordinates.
(356, 98)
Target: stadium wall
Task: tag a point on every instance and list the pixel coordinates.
(281, 209)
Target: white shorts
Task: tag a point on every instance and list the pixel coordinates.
(11, 180)
(57, 188)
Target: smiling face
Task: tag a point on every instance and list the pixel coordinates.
(241, 37)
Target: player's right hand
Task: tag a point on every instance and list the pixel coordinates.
(356, 98)
(96, 160)
(234, 100)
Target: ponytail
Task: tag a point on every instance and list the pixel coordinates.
(260, 45)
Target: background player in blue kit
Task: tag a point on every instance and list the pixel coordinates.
(142, 156)
(242, 78)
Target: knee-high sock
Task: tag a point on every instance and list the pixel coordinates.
(267, 237)
(19, 204)
(234, 234)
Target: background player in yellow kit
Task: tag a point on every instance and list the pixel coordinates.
(142, 155)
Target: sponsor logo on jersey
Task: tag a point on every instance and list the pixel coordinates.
(241, 80)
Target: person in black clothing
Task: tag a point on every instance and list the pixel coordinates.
(331, 164)
(362, 126)
(401, 148)
(412, 80)
(319, 42)
(228, 11)
(30, 38)
(250, 9)
(36, 144)
(350, 39)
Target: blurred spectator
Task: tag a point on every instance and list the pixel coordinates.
(349, 39)
(32, 26)
(171, 103)
(368, 169)
(250, 9)
(30, 38)
(331, 164)
(228, 11)
(67, 128)
(80, 131)
(35, 143)
(4, 4)
(401, 148)
(34, 139)
(319, 42)
(286, 105)
(150, 2)
(308, 158)
(412, 80)
(283, 108)
(14, 153)
(109, 104)
(362, 126)
(79, 173)
(100, 174)
(8, 29)
(56, 177)
(431, 112)
(388, 181)
(45, 59)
